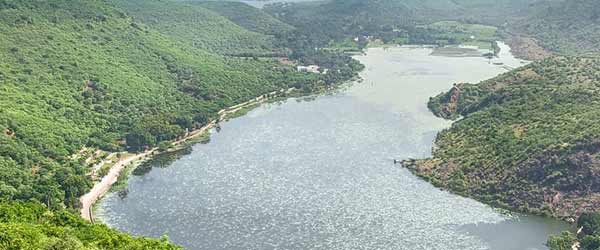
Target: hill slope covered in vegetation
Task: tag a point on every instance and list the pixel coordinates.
(199, 27)
(393, 21)
(563, 27)
(32, 226)
(85, 74)
(247, 16)
(535, 28)
(528, 140)
(81, 76)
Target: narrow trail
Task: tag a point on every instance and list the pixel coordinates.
(101, 188)
(577, 245)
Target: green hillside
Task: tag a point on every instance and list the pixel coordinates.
(77, 74)
(246, 16)
(178, 21)
(395, 21)
(31, 226)
(199, 27)
(81, 76)
(528, 140)
(563, 27)
(340, 20)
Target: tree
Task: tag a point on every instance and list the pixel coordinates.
(137, 141)
(590, 242)
(590, 223)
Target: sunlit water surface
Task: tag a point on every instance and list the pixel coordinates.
(318, 174)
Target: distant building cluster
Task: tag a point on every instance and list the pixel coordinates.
(363, 38)
(309, 69)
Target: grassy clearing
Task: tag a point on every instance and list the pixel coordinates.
(478, 35)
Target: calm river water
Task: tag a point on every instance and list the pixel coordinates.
(318, 174)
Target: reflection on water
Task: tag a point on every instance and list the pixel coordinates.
(520, 233)
(319, 174)
(162, 160)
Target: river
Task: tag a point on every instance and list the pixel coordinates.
(318, 173)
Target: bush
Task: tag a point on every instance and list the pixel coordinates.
(561, 242)
(590, 242)
(164, 146)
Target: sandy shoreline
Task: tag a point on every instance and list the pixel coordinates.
(101, 188)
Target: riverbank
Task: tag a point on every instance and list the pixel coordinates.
(102, 187)
(287, 173)
(520, 148)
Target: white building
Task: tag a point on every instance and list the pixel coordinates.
(309, 68)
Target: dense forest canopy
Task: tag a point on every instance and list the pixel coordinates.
(198, 26)
(246, 16)
(387, 19)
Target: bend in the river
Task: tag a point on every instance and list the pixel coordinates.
(319, 174)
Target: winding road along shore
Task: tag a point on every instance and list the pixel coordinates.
(101, 188)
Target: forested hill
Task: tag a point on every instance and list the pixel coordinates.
(529, 139)
(32, 226)
(339, 20)
(390, 19)
(564, 27)
(83, 73)
(247, 16)
(82, 78)
(535, 28)
(202, 28)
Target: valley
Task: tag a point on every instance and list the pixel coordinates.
(86, 86)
